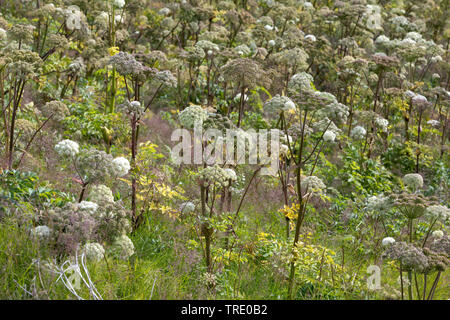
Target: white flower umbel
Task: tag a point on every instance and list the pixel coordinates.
(413, 180)
(67, 148)
(310, 37)
(41, 232)
(187, 207)
(382, 40)
(313, 184)
(88, 206)
(231, 174)
(101, 194)
(119, 3)
(300, 82)
(121, 166)
(329, 136)
(378, 203)
(3, 34)
(419, 99)
(434, 123)
(123, 247)
(164, 11)
(192, 116)
(94, 251)
(387, 241)
(358, 133)
(438, 234)
(438, 212)
(382, 124)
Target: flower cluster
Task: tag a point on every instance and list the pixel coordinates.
(382, 123)
(279, 104)
(329, 136)
(387, 241)
(413, 205)
(123, 247)
(358, 133)
(126, 64)
(88, 206)
(410, 257)
(216, 176)
(439, 212)
(67, 148)
(300, 82)
(41, 232)
(94, 251)
(56, 109)
(120, 166)
(379, 203)
(101, 194)
(313, 184)
(187, 207)
(131, 108)
(193, 116)
(414, 181)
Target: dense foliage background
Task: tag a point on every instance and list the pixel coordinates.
(94, 206)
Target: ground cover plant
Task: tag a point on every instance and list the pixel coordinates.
(207, 149)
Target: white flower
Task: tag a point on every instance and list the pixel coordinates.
(313, 184)
(216, 176)
(434, 123)
(414, 35)
(436, 59)
(238, 97)
(379, 203)
(300, 82)
(284, 149)
(407, 43)
(329, 136)
(435, 76)
(290, 105)
(103, 16)
(94, 251)
(382, 123)
(88, 206)
(279, 104)
(310, 37)
(231, 174)
(119, 3)
(438, 234)
(67, 148)
(2, 34)
(358, 132)
(413, 180)
(41, 232)
(382, 40)
(410, 94)
(118, 18)
(74, 18)
(418, 98)
(438, 212)
(308, 5)
(187, 207)
(268, 27)
(387, 241)
(192, 116)
(123, 247)
(101, 194)
(164, 12)
(121, 166)
(271, 43)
